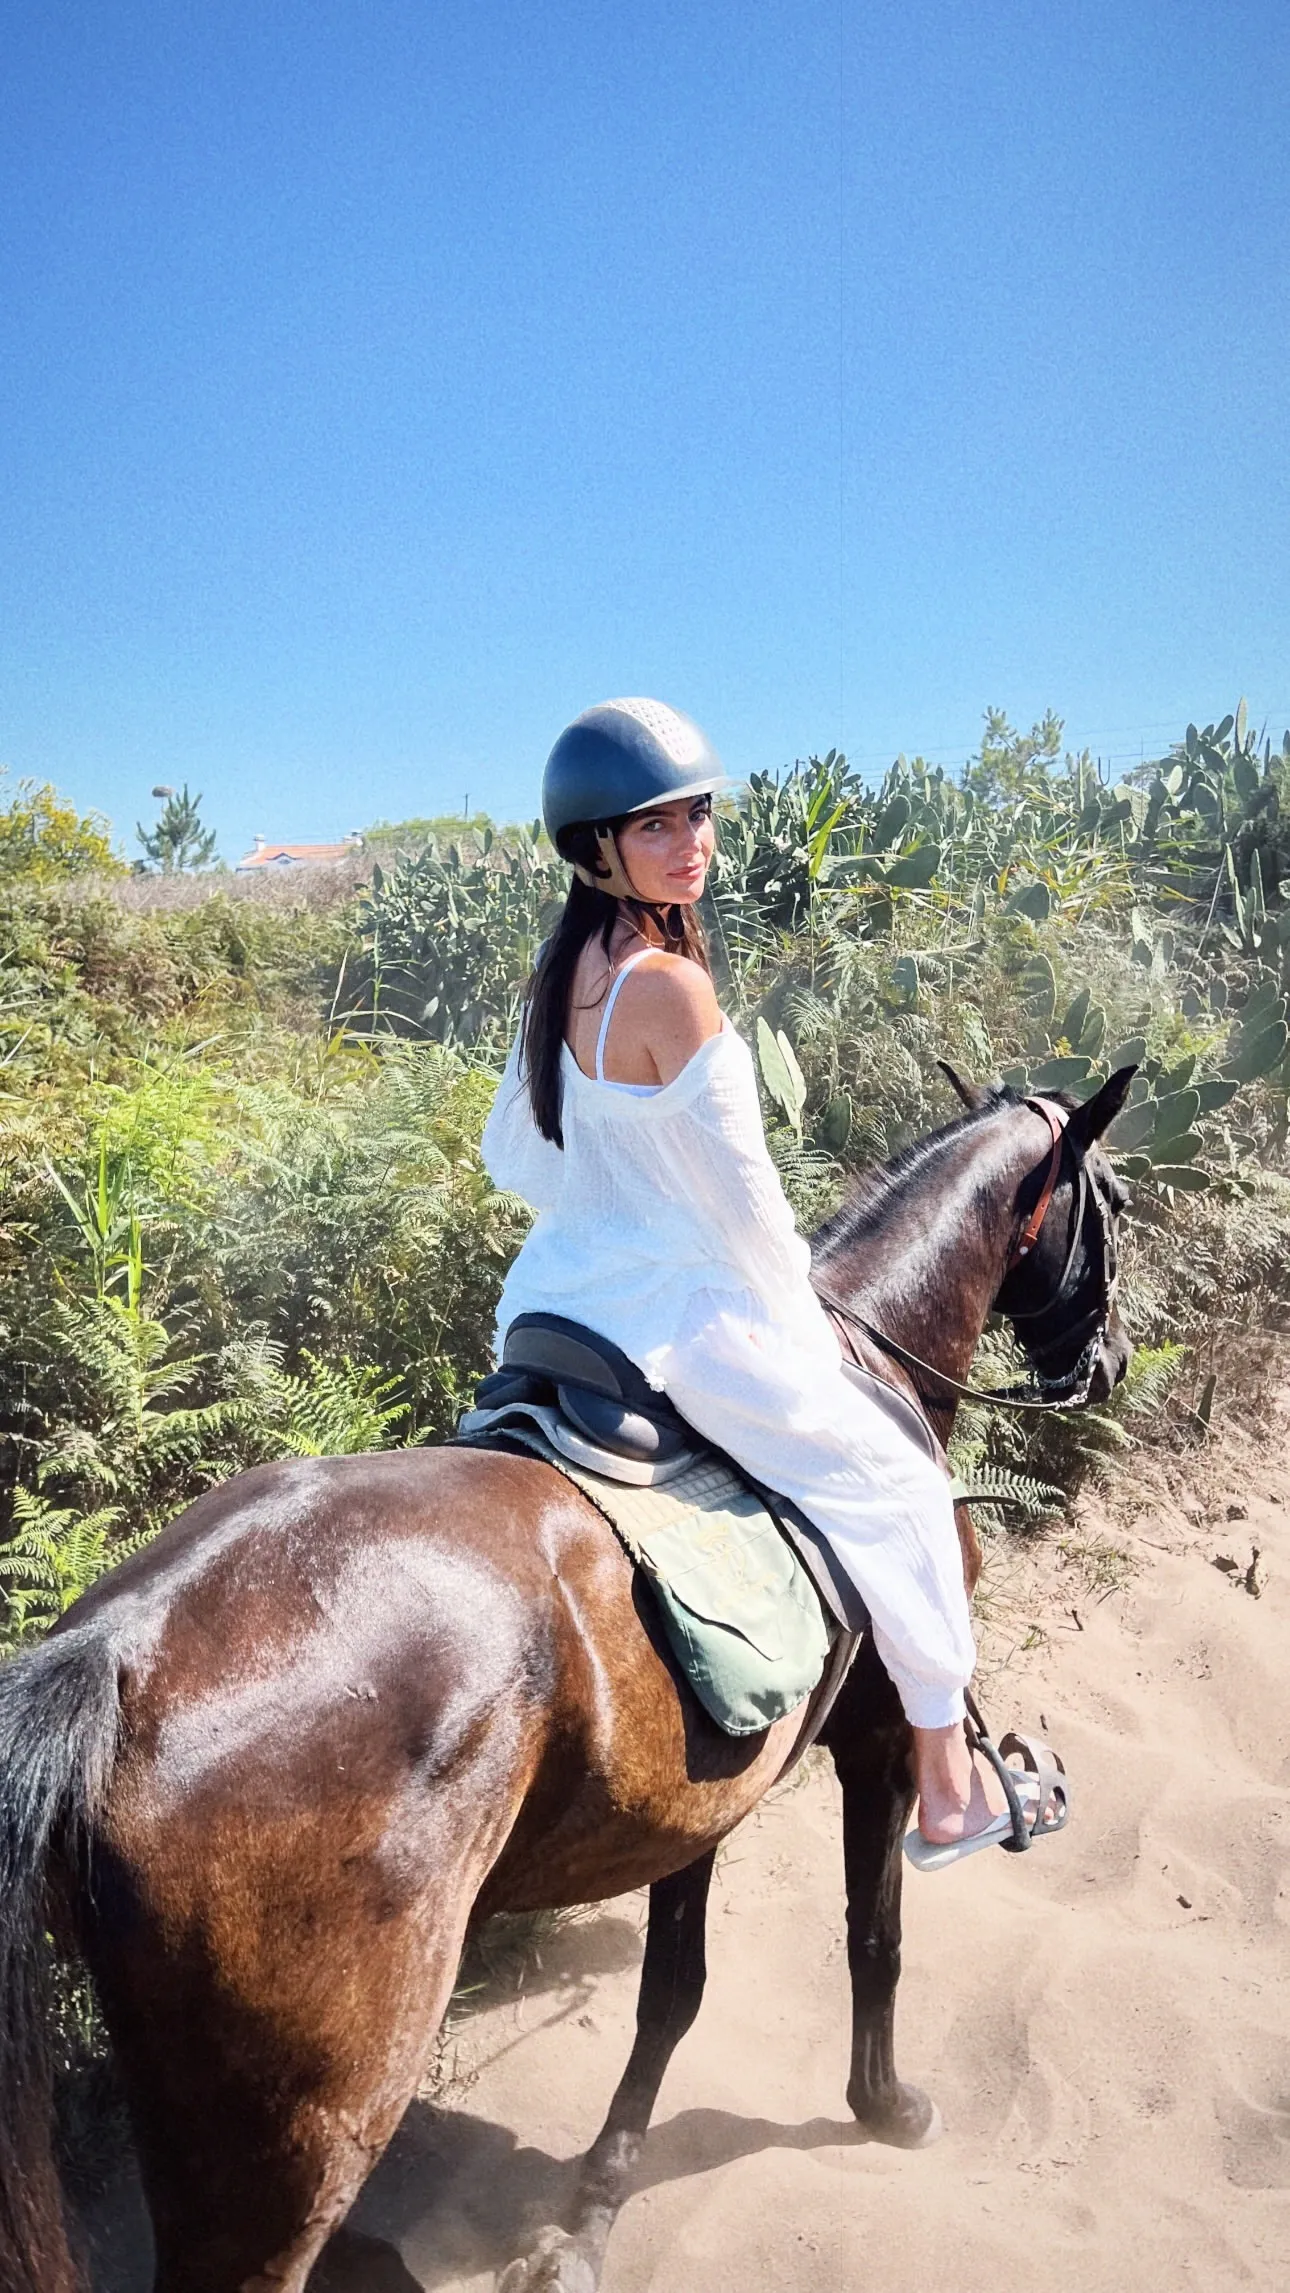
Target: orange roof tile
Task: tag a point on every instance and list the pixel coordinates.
(297, 855)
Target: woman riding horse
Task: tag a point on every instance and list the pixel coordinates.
(628, 1118)
(268, 1774)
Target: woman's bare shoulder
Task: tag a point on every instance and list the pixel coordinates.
(675, 983)
(675, 1011)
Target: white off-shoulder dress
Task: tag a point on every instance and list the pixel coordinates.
(662, 1224)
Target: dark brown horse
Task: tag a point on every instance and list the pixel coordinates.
(267, 1775)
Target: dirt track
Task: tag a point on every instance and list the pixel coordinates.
(1105, 2024)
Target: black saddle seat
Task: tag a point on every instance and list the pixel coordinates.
(598, 1388)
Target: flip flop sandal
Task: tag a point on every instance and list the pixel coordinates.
(1032, 1790)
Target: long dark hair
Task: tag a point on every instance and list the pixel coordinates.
(588, 914)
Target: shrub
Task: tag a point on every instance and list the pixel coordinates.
(44, 840)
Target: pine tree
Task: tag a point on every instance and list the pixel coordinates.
(179, 840)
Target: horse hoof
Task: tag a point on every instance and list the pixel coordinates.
(554, 2266)
(905, 2120)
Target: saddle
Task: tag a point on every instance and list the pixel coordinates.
(752, 1600)
(593, 1404)
(599, 1410)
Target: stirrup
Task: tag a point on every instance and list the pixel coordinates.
(1039, 1760)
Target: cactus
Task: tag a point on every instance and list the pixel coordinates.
(1176, 1147)
(781, 1074)
(911, 870)
(1176, 1111)
(1258, 1041)
(1083, 1026)
(1039, 987)
(835, 1126)
(905, 981)
(447, 940)
(1033, 900)
(1133, 1128)
(1062, 1074)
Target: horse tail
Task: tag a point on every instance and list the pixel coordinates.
(59, 1717)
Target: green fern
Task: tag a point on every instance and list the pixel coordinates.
(1152, 1374)
(130, 1429)
(53, 1557)
(1093, 1441)
(339, 1409)
(812, 1181)
(995, 1485)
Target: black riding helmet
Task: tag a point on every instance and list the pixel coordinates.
(618, 758)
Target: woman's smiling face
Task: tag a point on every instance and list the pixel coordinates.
(667, 851)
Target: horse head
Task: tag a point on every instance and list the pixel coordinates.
(1060, 1280)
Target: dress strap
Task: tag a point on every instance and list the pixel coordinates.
(610, 1000)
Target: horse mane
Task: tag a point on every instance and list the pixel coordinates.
(875, 1191)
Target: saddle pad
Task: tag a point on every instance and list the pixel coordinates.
(739, 1611)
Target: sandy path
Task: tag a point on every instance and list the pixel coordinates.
(1106, 2023)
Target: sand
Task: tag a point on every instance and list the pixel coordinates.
(1105, 2022)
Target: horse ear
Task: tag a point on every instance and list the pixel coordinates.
(971, 1094)
(1098, 1113)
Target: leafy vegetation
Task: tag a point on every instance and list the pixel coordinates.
(44, 840)
(242, 1210)
(449, 936)
(391, 840)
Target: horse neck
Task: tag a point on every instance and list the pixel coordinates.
(922, 1249)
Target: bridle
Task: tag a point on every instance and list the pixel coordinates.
(1069, 1388)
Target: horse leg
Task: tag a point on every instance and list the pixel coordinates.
(672, 1980)
(871, 1754)
(257, 2118)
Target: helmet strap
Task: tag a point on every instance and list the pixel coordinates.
(611, 877)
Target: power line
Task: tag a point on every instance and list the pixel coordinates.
(1099, 744)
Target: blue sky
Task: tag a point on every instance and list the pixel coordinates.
(380, 385)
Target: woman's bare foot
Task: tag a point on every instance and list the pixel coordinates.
(957, 1794)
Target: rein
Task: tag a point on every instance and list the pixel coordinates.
(998, 1397)
(1068, 1391)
